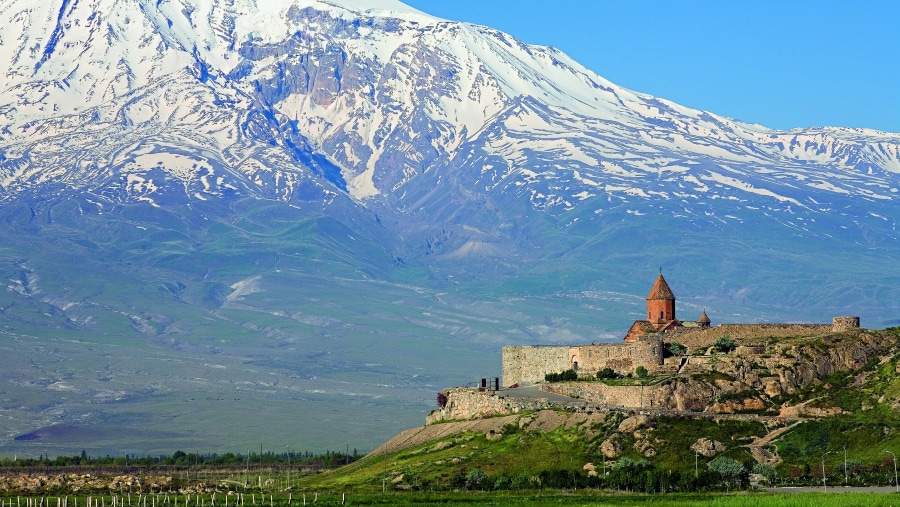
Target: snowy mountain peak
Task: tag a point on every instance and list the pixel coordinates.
(381, 103)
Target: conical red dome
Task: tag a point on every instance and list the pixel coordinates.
(661, 290)
(704, 318)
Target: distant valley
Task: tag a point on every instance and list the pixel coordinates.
(228, 226)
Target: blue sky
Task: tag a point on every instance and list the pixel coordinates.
(784, 64)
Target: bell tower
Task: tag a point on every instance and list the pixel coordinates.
(660, 303)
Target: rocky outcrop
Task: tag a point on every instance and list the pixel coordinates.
(26, 483)
(464, 403)
(727, 383)
(633, 423)
(708, 448)
(611, 447)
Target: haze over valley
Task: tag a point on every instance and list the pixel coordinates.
(279, 223)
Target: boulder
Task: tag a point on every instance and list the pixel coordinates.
(611, 447)
(632, 423)
(708, 448)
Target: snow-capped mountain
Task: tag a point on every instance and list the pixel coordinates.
(382, 103)
(286, 159)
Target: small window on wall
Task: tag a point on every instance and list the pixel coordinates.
(662, 315)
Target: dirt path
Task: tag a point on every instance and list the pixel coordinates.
(758, 447)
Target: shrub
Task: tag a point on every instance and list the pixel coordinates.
(566, 376)
(641, 372)
(521, 481)
(674, 349)
(476, 480)
(607, 373)
(724, 344)
(441, 399)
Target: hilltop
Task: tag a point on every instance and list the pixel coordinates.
(847, 392)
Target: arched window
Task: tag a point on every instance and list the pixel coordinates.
(662, 314)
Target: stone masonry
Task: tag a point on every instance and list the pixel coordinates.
(644, 343)
(529, 364)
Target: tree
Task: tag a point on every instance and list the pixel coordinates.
(674, 349)
(476, 480)
(724, 344)
(641, 372)
(732, 471)
(441, 400)
(767, 471)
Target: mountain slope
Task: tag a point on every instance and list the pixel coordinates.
(357, 192)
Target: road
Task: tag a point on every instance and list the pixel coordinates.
(833, 489)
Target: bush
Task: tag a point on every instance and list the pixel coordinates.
(566, 376)
(641, 372)
(441, 400)
(607, 373)
(476, 480)
(521, 481)
(674, 349)
(724, 344)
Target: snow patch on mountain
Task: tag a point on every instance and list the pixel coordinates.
(321, 100)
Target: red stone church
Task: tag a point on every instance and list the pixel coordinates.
(661, 313)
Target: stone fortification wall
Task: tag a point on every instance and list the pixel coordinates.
(704, 337)
(464, 404)
(529, 363)
(621, 357)
(844, 323)
(600, 393)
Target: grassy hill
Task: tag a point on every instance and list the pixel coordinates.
(559, 449)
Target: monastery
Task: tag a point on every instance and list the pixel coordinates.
(661, 314)
(643, 344)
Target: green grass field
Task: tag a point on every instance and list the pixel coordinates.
(421, 499)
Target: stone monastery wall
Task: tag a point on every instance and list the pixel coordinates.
(693, 338)
(621, 357)
(644, 343)
(529, 364)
